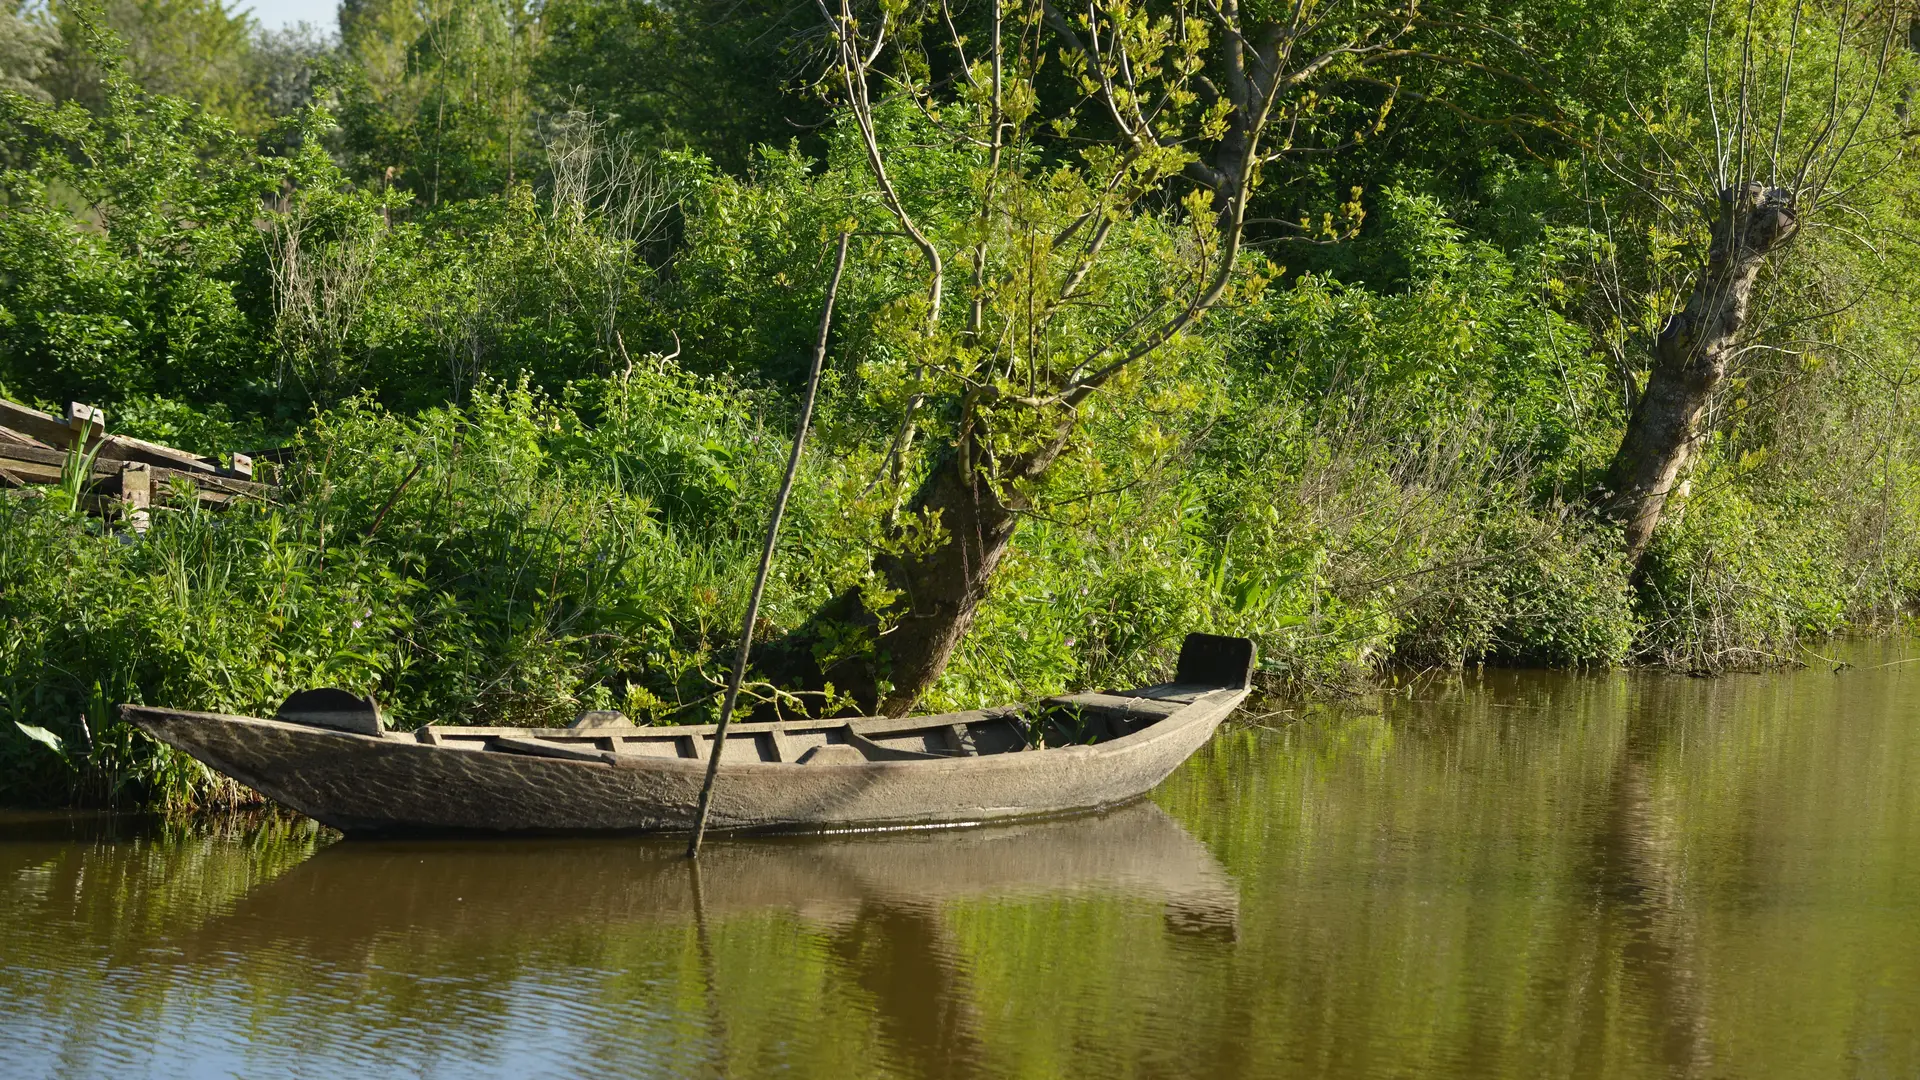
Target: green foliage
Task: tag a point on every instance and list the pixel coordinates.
(26, 45)
(537, 378)
(1472, 332)
(1738, 577)
(708, 76)
(488, 562)
(122, 252)
(436, 99)
(197, 50)
(197, 270)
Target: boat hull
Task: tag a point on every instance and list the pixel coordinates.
(394, 783)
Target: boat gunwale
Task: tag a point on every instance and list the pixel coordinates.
(1163, 727)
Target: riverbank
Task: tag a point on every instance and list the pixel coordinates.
(532, 420)
(522, 559)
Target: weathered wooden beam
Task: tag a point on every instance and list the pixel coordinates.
(57, 459)
(136, 494)
(25, 470)
(125, 474)
(126, 448)
(23, 466)
(50, 430)
(219, 489)
(88, 422)
(59, 434)
(10, 437)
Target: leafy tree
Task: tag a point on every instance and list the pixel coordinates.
(26, 47)
(284, 67)
(197, 50)
(713, 76)
(437, 98)
(1074, 274)
(1791, 126)
(153, 293)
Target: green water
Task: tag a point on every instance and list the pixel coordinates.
(1506, 875)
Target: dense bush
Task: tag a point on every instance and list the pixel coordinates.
(492, 562)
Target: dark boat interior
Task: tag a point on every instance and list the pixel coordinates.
(1075, 719)
(1207, 663)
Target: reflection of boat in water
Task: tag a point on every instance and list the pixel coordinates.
(617, 950)
(351, 893)
(328, 757)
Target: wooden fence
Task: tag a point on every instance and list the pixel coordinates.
(124, 475)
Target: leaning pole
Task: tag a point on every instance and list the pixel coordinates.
(766, 556)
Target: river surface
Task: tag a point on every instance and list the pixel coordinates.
(1501, 874)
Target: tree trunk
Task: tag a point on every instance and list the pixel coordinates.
(939, 588)
(1690, 359)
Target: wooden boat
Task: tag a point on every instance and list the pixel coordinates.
(326, 755)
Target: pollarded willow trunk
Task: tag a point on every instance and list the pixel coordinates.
(939, 588)
(1691, 357)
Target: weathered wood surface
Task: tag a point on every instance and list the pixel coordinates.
(33, 465)
(10, 437)
(90, 422)
(960, 768)
(126, 475)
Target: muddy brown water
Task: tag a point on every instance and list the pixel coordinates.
(1507, 874)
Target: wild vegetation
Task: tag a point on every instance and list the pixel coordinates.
(1562, 332)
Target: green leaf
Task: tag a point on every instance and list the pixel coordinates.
(44, 737)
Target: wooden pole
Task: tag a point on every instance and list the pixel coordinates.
(136, 494)
(766, 556)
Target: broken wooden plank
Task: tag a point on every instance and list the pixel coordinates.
(127, 448)
(10, 437)
(28, 471)
(56, 458)
(219, 489)
(29, 465)
(58, 434)
(50, 430)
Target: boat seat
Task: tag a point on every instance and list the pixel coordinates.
(858, 749)
(833, 754)
(600, 718)
(1176, 693)
(515, 744)
(874, 751)
(1133, 707)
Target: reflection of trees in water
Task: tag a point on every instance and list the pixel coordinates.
(1645, 913)
(1674, 846)
(81, 896)
(903, 958)
(1478, 877)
